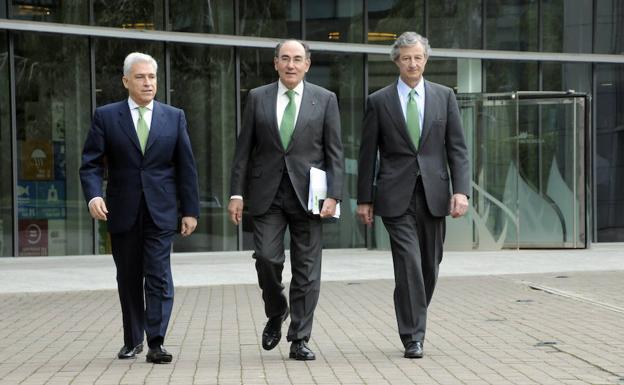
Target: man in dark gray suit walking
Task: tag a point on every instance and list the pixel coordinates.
(415, 126)
(288, 126)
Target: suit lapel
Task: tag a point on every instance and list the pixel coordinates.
(428, 115)
(395, 111)
(157, 125)
(127, 125)
(306, 110)
(269, 106)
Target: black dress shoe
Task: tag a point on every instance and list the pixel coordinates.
(414, 349)
(300, 351)
(129, 352)
(158, 355)
(272, 333)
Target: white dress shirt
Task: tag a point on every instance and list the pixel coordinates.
(404, 90)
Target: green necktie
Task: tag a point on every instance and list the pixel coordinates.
(142, 129)
(413, 118)
(288, 119)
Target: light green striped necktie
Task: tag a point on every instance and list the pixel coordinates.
(413, 118)
(142, 129)
(287, 125)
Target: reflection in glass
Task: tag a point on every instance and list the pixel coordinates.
(381, 71)
(609, 157)
(609, 28)
(389, 19)
(137, 14)
(71, 12)
(339, 21)
(210, 114)
(490, 128)
(109, 57)
(6, 192)
(270, 18)
(216, 16)
(442, 71)
(465, 18)
(548, 156)
(509, 76)
(527, 155)
(511, 25)
(550, 172)
(558, 76)
(567, 25)
(256, 69)
(52, 117)
(343, 75)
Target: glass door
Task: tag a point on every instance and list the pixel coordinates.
(529, 164)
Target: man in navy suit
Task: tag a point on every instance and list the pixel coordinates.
(152, 182)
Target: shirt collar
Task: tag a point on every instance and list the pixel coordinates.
(404, 89)
(133, 105)
(281, 88)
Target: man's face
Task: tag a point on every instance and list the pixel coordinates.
(411, 63)
(291, 64)
(141, 83)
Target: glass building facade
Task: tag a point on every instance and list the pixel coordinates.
(540, 85)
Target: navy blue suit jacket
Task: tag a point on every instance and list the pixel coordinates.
(166, 175)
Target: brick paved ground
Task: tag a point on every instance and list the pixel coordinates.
(505, 329)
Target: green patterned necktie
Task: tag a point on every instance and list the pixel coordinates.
(413, 118)
(288, 119)
(142, 129)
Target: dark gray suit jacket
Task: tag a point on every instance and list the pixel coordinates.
(260, 159)
(441, 148)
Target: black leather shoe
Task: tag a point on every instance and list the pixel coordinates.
(158, 355)
(272, 333)
(129, 352)
(414, 349)
(300, 351)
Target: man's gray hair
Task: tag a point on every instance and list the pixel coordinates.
(408, 39)
(306, 47)
(137, 57)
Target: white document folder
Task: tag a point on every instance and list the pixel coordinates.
(318, 191)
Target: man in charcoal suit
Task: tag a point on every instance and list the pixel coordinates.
(288, 126)
(415, 127)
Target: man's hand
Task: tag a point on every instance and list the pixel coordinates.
(365, 213)
(188, 226)
(329, 208)
(459, 205)
(235, 208)
(97, 209)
